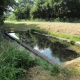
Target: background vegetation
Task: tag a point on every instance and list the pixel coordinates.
(50, 10)
(5, 6)
(47, 9)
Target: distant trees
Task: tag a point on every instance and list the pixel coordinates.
(47, 9)
(22, 9)
(71, 8)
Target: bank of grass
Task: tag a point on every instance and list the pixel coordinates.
(71, 38)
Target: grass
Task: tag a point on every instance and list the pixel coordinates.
(71, 38)
(13, 62)
(74, 20)
(28, 20)
(43, 29)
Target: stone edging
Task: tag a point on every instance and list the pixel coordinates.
(63, 39)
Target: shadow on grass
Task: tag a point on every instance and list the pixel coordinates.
(18, 26)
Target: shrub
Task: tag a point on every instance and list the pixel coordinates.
(13, 62)
(55, 69)
(12, 17)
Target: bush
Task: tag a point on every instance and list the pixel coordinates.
(12, 17)
(14, 63)
(55, 69)
(57, 20)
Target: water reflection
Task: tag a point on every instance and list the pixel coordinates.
(14, 35)
(54, 49)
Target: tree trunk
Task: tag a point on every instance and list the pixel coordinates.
(1, 19)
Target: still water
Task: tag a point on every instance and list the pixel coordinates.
(55, 49)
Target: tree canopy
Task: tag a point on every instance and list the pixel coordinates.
(44, 9)
(47, 9)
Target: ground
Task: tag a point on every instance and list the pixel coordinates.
(63, 28)
(36, 73)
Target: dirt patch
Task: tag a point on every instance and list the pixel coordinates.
(75, 62)
(64, 28)
(75, 78)
(73, 65)
(37, 74)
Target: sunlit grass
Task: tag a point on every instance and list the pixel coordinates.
(72, 38)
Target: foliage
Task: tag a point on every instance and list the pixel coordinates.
(60, 10)
(38, 30)
(56, 69)
(45, 66)
(72, 38)
(4, 6)
(12, 17)
(22, 9)
(47, 9)
(14, 63)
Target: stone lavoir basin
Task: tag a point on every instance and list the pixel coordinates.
(56, 50)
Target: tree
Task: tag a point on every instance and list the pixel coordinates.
(45, 9)
(4, 6)
(39, 9)
(22, 9)
(71, 8)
